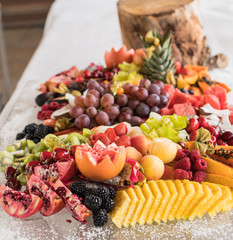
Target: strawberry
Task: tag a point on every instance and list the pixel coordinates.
(120, 129)
(124, 141)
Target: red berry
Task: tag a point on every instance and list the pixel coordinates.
(199, 176)
(203, 122)
(227, 136)
(193, 125)
(230, 143)
(54, 105)
(181, 174)
(120, 129)
(39, 115)
(193, 136)
(214, 131)
(184, 71)
(199, 165)
(79, 79)
(45, 156)
(222, 143)
(48, 114)
(30, 166)
(195, 155)
(183, 163)
(11, 172)
(45, 107)
(190, 175)
(124, 141)
(181, 153)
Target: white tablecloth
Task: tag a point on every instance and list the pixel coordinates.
(77, 33)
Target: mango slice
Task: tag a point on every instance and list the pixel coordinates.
(157, 200)
(122, 203)
(199, 194)
(219, 179)
(134, 202)
(181, 195)
(172, 188)
(141, 203)
(149, 201)
(166, 196)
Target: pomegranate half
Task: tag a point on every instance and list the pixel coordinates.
(100, 163)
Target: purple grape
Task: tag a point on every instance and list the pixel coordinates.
(90, 100)
(163, 101)
(160, 84)
(75, 111)
(133, 103)
(133, 90)
(91, 112)
(145, 83)
(142, 110)
(107, 100)
(141, 94)
(125, 117)
(94, 92)
(153, 100)
(92, 84)
(101, 118)
(135, 121)
(82, 121)
(122, 100)
(126, 87)
(113, 112)
(166, 94)
(154, 88)
(155, 109)
(127, 110)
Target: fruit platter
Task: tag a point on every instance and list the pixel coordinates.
(140, 146)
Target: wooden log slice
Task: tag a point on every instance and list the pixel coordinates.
(179, 16)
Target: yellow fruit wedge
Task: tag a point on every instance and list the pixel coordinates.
(172, 188)
(230, 203)
(219, 179)
(198, 195)
(190, 193)
(181, 195)
(214, 201)
(157, 199)
(202, 204)
(122, 203)
(165, 198)
(134, 202)
(149, 201)
(141, 203)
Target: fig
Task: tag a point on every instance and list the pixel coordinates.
(43, 98)
(72, 201)
(52, 203)
(19, 204)
(59, 170)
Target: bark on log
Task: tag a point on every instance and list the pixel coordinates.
(179, 16)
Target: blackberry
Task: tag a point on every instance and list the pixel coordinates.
(100, 217)
(41, 131)
(102, 191)
(30, 136)
(112, 192)
(79, 188)
(36, 140)
(108, 204)
(49, 129)
(92, 202)
(30, 128)
(20, 135)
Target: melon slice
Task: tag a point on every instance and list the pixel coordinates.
(140, 205)
(202, 203)
(122, 203)
(190, 193)
(149, 201)
(157, 200)
(134, 201)
(172, 188)
(181, 195)
(165, 198)
(199, 194)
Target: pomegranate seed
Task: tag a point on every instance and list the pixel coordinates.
(69, 221)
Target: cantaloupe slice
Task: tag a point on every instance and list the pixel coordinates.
(122, 203)
(204, 201)
(134, 202)
(181, 195)
(172, 188)
(149, 201)
(157, 199)
(139, 207)
(219, 179)
(198, 195)
(190, 193)
(165, 198)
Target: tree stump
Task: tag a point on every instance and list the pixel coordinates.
(179, 16)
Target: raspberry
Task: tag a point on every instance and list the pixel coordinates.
(181, 153)
(199, 176)
(45, 107)
(199, 165)
(194, 155)
(53, 105)
(39, 115)
(48, 114)
(183, 163)
(190, 175)
(181, 174)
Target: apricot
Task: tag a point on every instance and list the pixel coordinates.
(133, 153)
(141, 143)
(163, 148)
(153, 167)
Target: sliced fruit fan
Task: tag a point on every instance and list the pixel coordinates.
(145, 139)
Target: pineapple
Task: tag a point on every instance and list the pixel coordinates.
(159, 61)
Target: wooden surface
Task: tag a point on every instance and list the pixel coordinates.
(179, 16)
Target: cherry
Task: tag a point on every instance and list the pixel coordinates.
(11, 172)
(214, 131)
(221, 142)
(230, 143)
(203, 122)
(227, 136)
(46, 156)
(13, 183)
(193, 125)
(61, 153)
(213, 140)
(108, 75)
(193, 136)
(30, 166)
